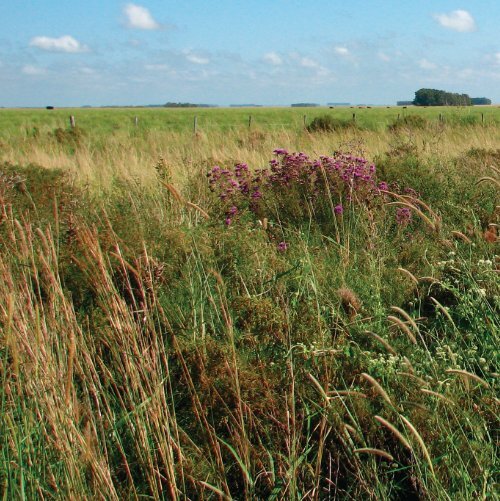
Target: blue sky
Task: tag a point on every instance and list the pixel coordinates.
(255, 51)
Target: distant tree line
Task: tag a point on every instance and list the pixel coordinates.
(304, 105)
(480, 100)
(433, 97)
(186, 105)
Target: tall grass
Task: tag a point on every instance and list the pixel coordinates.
(150, 351)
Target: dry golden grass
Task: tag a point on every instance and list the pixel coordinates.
(128, 157)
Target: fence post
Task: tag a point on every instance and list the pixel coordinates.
(195, 124)
(136, 121)
(482, 118)
(304, 118)
(399, 116)
(72, 121)
(249, 121)
(354, 117)
(440, 117)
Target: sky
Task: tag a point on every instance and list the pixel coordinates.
(269, 52)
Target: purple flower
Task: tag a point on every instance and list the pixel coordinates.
(228, 221)
(338, 209)
(403, 216)
(232, 211)
(383, 186)
(282, 246)
(280, 151)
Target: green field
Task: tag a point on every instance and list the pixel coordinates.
(108, 120)
(196, 316)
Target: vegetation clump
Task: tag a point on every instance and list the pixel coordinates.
(327, 123)
(315, 327)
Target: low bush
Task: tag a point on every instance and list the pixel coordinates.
(327, 123)
(408, 122)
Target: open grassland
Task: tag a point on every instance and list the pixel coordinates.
(324, 326)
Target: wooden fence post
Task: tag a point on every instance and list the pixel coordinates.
(249, 121)
(304, 118)
(72, 121)
(354, 117)
(136, 121)
(482, 118)
(195, 124)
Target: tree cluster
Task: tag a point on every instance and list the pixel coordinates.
(481, 100)
(433, 97)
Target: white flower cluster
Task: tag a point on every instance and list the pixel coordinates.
(485, 263)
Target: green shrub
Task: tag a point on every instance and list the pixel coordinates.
(327, 123)
(409, 122)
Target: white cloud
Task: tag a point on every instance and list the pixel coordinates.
(306, 62)
(496, 57)
(140, 18)
(193, 58)
(273, 58)
(65, 43)
(29, 69)
(427, 65)
(458, 20)
(342, 51)
(156, 67)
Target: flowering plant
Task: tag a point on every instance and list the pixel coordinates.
(294, 186)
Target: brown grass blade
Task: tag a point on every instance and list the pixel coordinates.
(394, 431)
(374, 452)
(376, 386)
(468, 375)
(420, 441)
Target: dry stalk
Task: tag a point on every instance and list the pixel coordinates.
(374, 452)
(461, 236)
(468, 375)
(403, 327)
(376, 386)
(395, 432)
(437, 395)
(419, 440)
(406, 317)
(443, 310)
(410, 275)
(382, 341)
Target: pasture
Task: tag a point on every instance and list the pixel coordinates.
(249, 311)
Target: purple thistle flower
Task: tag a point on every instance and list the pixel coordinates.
(228, 221)
(282, 246)
(403, 216)
(338, 209)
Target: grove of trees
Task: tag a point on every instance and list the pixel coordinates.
(433, 97)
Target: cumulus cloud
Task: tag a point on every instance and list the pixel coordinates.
(140, 18)
(342, 51)
(427, 65)
(307, 62)
(273, 58)
(457, 20)
(196, 59)
(66, 43)
(31, 70)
